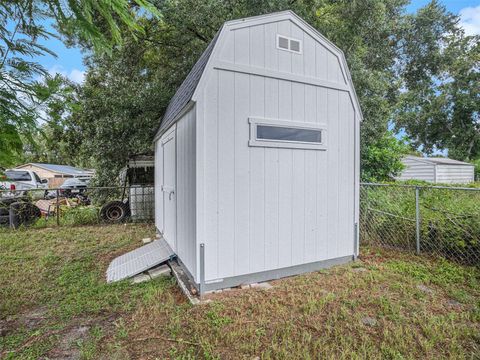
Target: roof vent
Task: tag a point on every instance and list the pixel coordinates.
(295, 45)
(283, 43)
(289, 44)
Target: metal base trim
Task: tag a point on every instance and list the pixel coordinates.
(275, 274)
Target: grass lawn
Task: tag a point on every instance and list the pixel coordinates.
(54, 303)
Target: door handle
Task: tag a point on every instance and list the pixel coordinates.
(170, 195)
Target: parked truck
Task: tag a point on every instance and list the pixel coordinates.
(21, 180)
(16, 207)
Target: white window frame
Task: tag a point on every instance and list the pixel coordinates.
(287, 144)
(289, 39)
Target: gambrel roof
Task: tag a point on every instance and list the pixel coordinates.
(186, 92)
(187, 88)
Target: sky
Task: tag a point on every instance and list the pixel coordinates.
(69, 60)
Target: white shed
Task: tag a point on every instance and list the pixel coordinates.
(437, 170)
(257, 156)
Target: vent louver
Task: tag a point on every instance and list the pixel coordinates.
(283, 43)
(289, 44)
(295, 45)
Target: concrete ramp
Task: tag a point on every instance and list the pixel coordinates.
(139, 260)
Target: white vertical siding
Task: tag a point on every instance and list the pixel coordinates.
(321, 251)
(267, 208)
(311, 176)
(333, 186)
(158, 184)
(226, 174)
(256, 46)
(242, 178)
(272, 196)
(346, 164)
(208, 134)
(356, 179)
(256, 182)
(185, 190)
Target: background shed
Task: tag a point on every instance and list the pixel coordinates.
(437, 170)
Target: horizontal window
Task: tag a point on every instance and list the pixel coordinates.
(286, 134)
(267, 132)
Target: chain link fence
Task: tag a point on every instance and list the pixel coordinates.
(76, 206)
(434, 220)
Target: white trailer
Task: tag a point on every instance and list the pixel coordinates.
(257, 156)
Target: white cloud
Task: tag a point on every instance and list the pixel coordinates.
(470, 20)
(75, 75)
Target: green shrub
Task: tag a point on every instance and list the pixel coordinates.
(477, 170)
(80, 215)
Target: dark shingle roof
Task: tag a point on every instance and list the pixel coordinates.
(185, 91)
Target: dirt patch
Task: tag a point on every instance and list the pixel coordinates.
(34, 318)
(30, 320)
(5, 328)
(68, 339)
(67, 348)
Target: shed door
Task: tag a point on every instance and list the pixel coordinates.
(169, 189)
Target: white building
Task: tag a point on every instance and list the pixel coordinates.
(257, 156)
(437, 170)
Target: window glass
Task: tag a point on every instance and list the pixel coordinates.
(37, 178)
(18, 176)
(280, 133)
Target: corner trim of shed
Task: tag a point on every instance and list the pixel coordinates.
(185, 109)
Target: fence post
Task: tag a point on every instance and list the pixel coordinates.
(417, 217)
(202, 270)
(57, 208)
(365, 205)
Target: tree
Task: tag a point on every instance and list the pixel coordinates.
(440, 71)
(120, 105)
(381, 160)
(96, 23)
(50, 139)
(476, 163)
(393, 58)
(125, 94)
